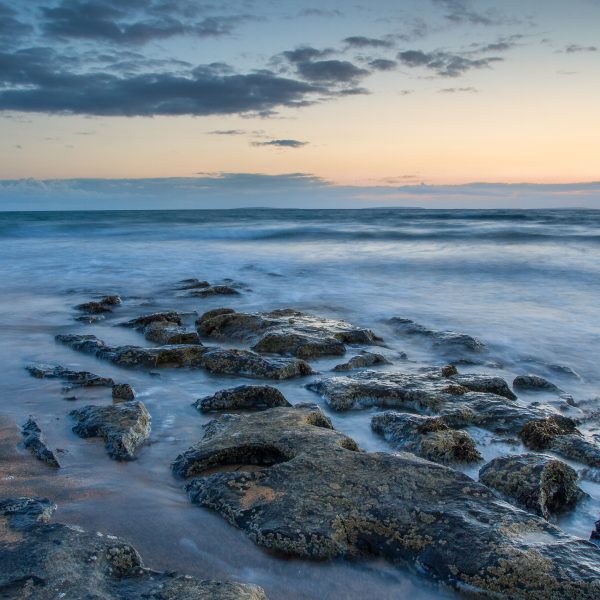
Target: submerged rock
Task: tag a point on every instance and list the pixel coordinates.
(75, 378)
(296, 486)
(166, 333)
(536, 482)
(365, 359)
(214, 360)
(214, 290)
(449, 341)
(123, 391)
(534, 383)
(559, 434)
(50, 561)
(286, 332)
(248, 397)
(124, 427)
(101, 306)
(192, 283)
(34, 441)
(427, 437)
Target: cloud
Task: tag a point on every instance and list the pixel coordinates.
(445, 64)
(34, 80)
(132, 23)
(575, 48)
(337, 71)
(383, 64)
(359, 41)
(227, 132)
(282, 143)
(305, 54)
(455, 90)
(12, 30)
(461, 12)
(319, 12)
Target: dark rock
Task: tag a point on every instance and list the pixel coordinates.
(34, 441)
(449, 371)
(596, 533)
(100, 306)
(123, 391)
(296, 486)
(450, 341)
(559, 434)
(300, 345)
(365, 359)
(214, 290)
(75, 378)
(193, 283)
(249, 397)
(286, 332)
(166, 333)
(533, 383)
(214, 360)
(124, 427)
(250, 364)
(49, 561)
(171, 317)
(89, 318)
(427, 437)
(215, 312)
(486, 384)
(535, 482)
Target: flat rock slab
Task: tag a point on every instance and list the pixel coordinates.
(361, 361)
(214, 360)
(53, 561)
(247, 397)
(451, 342)
(535, 482)
(304, 490)
(124, 427)
(559, 434)
(427, 437)
(75, 378)
(285, 332)
(171, 317)
(35, 442)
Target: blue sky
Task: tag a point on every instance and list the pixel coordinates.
(352, 95)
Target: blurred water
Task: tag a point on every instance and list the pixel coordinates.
(525, 282)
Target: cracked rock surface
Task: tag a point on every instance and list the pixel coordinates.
(248, 397)
(296, 486)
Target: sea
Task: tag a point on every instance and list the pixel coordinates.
(525, 282)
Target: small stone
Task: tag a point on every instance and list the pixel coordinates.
(123, 391)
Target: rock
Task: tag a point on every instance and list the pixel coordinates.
(192, 283)
(50, 561)
(214, 360)
(285, 332)
(486, 384)
(34, 441)
(101, 306)
(595, 535)
(123, 391)
(166, 333)
(215, 312)
(171, 317)
(449, 371)
(248, 397)
(427, 437)
(559, 434)
(75, 378)
(302, 346)
(214, 290)
(297, 487)
(449, 341)
(535, 482)
(250, 364)
(533, 383)
(124, 427)
(89, 318)
(365, 359)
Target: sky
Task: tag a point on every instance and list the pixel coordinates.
(384, 101)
